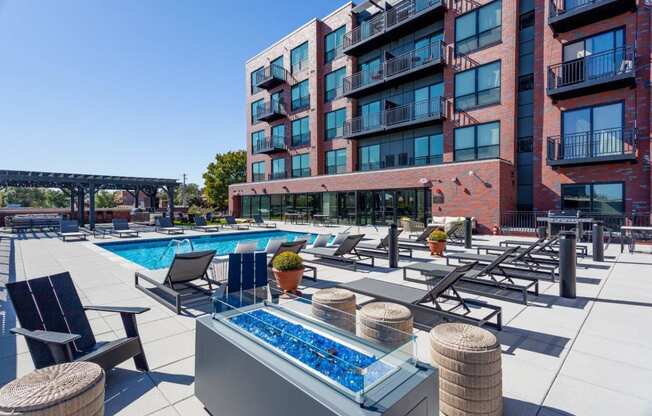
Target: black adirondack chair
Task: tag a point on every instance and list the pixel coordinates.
(54, 321)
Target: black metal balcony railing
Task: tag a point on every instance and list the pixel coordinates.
(559, 7)
(402, 161)
(565, 15)
(301, 103)
(270, 110)
(603, 66)
(393, 117)
(526, 221)
(271, 76)
(270, 145)
(300, 173)
(609, 144)
(274, 176)
(387, 21)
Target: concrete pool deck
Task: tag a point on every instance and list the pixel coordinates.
(587, 356)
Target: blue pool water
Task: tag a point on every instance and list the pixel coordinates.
(148, 253)
(314, 350)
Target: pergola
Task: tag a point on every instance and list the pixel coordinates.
(78, 185)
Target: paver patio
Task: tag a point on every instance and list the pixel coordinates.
(586, 356)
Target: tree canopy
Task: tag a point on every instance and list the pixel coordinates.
(227, 169)
(35, 198)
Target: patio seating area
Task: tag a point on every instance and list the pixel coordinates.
(560, 356)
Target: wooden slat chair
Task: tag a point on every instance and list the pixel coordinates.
(54, 322)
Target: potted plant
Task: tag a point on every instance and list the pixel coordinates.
(437, 242)
(288, 271)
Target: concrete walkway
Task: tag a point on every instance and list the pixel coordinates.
(587, 356)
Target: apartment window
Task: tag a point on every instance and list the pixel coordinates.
(301, 165)
(333, 44)
(477, 87)
(336, 161)
(481, 141)
(429, 150)
(254, 80)
(301, 131)
(334, 81)
(278, 135)
(369, 157)
(299, 58)
(370, 117)
(370, 73)
(596, 198)
(277, 69)
(478, 28)
(278, 168)
(257, 140)
(300, 96)
(594, 57)
(592, 131)
(258, 171)
(257, 108)
(427, 100)
(425, 49)
(335, 123)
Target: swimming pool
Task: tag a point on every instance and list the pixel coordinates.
(157, 254)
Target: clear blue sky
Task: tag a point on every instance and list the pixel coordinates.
(131, 87)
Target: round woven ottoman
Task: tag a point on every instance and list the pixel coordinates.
(63, 390)
(470, 374)
(335, 306)
(387, 323)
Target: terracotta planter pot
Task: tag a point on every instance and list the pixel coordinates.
(437, 248)
(288, 280)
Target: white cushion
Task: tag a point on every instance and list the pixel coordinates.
(273, 244)
(321, 240)
(438, 220)
(339, 238)
(245, 247)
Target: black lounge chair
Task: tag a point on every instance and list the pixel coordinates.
(164, 225)
(421, 242)
(56, 328)
(345, 252)
(455, 234)
(491, 280)
(420, 238)
(293, 247)
(260, 222)
(380, 248)
(538, 252)
(70, 229)
(426, 305)
(550, 247)
(233, 224)
(121, 229)
(177, 282)
(202, 225)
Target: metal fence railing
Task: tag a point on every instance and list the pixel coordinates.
(598, 66)
(526, 221)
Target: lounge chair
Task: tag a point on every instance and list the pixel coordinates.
(177, 282)
(233, 224)
(54, 323)
(273, 244)
(420, 238)
(70, 229)
(453, 234)
(164, 226)
(293, 247)
(202, 225)
(491, 280)
(345, 252)
(320, 241)
(338, 239)
(380, 248)
(121, 229)
(538, 252)
(426, 305)
(260, 222)
(245, 247)
(421, 242)
(551, 246)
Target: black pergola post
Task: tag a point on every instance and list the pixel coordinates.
(136, 196)
(72, 203)
(170, 191)
(80, 205)
(152, 201)
(91, 206)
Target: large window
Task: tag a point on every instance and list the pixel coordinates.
(258, 171)
(301, 131)
(336, 161)
(333, 44)
(301, 165)
(335, 123)
(334, 81)
(592, 131)
(427, 100)
(597, 56)
(257, 139)
(278, 168)
(429, 150)
(254, 80)
(481, 141)
(370, 116)
(257, 107)
(477, 87)
(369, 157)
(300, 96)
(479, 28)
(278, 135)
(370, 72)
(299, 58)
(596, 198)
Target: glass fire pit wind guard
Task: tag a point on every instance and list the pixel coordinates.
(321, 341)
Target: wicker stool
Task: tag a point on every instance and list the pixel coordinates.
(68, 389)
(470, 375)
(335, 306)
(387, 323)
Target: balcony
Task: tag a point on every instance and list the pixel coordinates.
(610, 145)
(275, 176)
(594, 73)
(406, 16)
(565, 15)
(270, 77)
(301, 173)
(270, 145)
(398, 161)
(401, 68)
(270, 111)
(395, 119)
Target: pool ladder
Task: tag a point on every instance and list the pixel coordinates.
(176, 244)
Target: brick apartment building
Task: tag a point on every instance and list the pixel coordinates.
(439, 107)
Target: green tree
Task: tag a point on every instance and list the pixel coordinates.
(55, 198)
(27, 197)
(227, 169)
(2, 198)
(193, 195)
(106, 199)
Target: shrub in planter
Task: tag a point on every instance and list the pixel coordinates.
(437, 242)
(288, 271)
